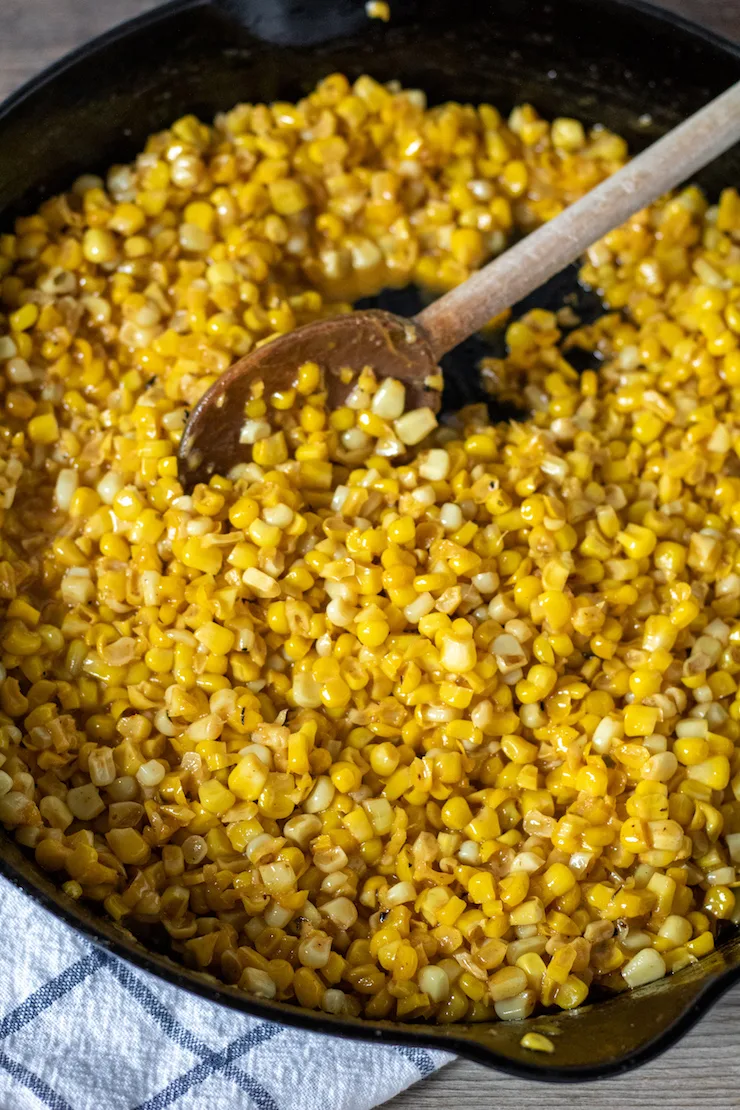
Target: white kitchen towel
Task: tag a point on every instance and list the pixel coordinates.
(83, 1030)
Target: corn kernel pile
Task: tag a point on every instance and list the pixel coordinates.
(397, 719)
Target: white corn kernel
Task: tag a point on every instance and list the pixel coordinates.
(258, 983)
(150, 773)
(85, 802)
(647, 966)
(414, 426)
(434, 982)
(389, 400)
(435, 465)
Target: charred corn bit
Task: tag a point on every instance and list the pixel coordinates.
(393, 720)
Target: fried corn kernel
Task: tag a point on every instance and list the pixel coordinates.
(537, 1042)
(394, 719)
(378, 9)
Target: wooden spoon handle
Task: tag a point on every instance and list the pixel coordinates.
(554, 245)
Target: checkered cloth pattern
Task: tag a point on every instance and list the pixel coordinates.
(82, 1030)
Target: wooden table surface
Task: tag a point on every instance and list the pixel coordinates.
(705, 1068)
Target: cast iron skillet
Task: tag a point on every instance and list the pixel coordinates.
(600, 60)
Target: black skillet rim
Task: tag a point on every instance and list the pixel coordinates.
(428, 1037)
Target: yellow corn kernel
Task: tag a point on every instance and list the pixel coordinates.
(216, 639)
(701, 945)
(572, 993)
(556, 881)
(44, 429)
(247, 779)
(713, 772)
(214, 797)
(514, 888)
(456, 813)
(639, 720)
(206, 559)
(537, 1042)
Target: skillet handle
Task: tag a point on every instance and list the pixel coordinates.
(295, 22)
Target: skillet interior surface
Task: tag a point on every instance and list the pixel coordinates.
(602, 61)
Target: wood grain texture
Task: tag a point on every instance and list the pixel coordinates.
(704, 1070)
(722, 16)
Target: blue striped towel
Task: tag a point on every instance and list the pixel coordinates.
(82, 1030)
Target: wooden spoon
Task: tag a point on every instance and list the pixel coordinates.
(409, 350)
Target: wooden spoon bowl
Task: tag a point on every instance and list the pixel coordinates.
(393, 347)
